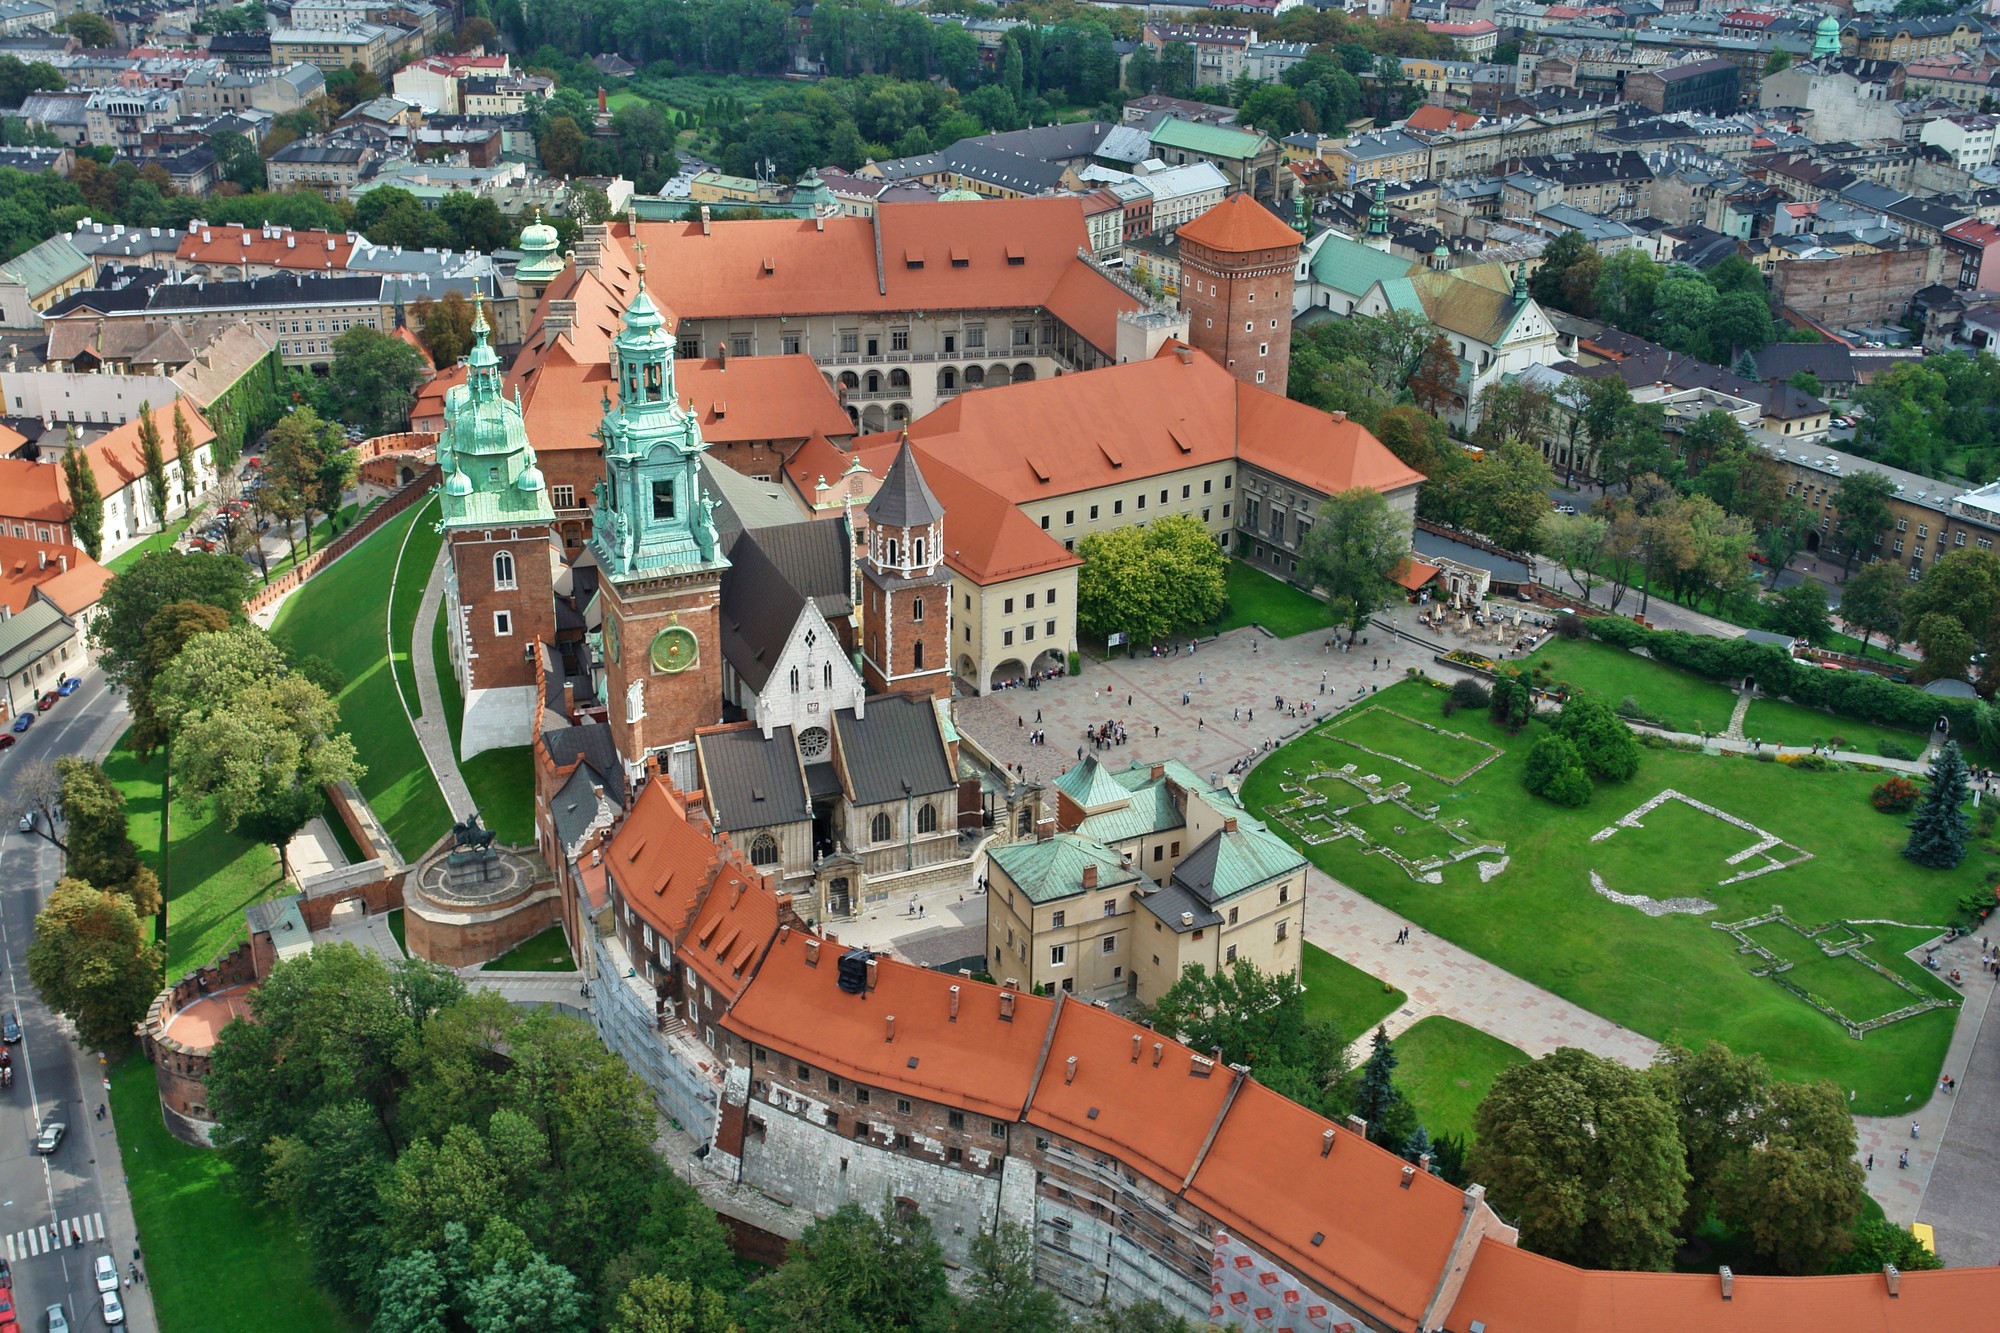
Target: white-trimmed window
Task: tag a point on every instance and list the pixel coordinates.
(503, 624)
(503, 571)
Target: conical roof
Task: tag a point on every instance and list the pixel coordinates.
(905, 500)
(1239, 225)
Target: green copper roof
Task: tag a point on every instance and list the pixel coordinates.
(1051, 870)
(541, 254)
(1228, 863)
(490, 475)
(1208, 140)
(1091, 785)
(1351, 267)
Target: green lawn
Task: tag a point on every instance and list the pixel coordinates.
(1671, 975)
(546, 952)
(1669, 696)
(215, 1260)
(502, 782)
(215, 874)
(341, 615)
(1255, 598)
(1779, 722)
(322, 533)
(1387, 732)
(159, 541)
(1446, 1069)
(1339, 990)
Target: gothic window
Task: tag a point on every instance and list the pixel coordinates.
(917, 604)
(827, 670)
(894, 550)
(764, 851)
(795, 680)
(918, 657)
(918, 559)
(878, 828)
(927, 819)
(503, 571)
(663, 499)
(813, 743)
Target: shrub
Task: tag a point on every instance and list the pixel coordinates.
(1556, 773)
(1810, 763)
(1513, 704)
(1471, 694)
(1604, 743)
(1571, 627)
(1895, 796)
(1894, 750)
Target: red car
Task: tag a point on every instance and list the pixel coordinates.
(46, 702)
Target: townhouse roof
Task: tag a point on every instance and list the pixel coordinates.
(47, 266)
(30, 490)
(1048, 142)
(1383, 143)
(752, 782)
(279, 289)
(1179, 182)
(1209, 140)
(269, 246)
(119, 459)
(1431, 116)
(137, 342)
(64, 574)
(31, 633)
(1691, 70)
(102, 240)
(893, 751)
(1051, 869)
(1090, 784)
(986, 539)
(759, 608)
(746, 399)
(1239, 225)
(1349, 266)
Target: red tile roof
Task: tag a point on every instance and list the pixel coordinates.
(1239, 225)
(986, 539)
(750, 398)
(33, 491)
(1434, 117)
(64, 574)
(228, 243)
(119, 459)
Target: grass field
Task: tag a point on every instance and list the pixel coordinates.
(1672, 975)
(1338, 990)
(341, 615)
(1780, 722)
(502, 782)
(546, 952)
(215, 1260)
(159, 541)
(1387, 732)
(322, 533)
(1671, 697)
(1255, 598)
(213, 875)
(1446, 1069)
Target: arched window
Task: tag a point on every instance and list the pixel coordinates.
(892, 550)
(927, 819)
(917, 604)
(918, 657)
(878, 828)
(918, 548)
(764, 851)
(827, 670)
(795, 680)
(503, 570)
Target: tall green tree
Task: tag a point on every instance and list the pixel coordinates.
(1356, 545)
(1392, 1120)
(1872, 601)
(1862, 504)
(1715, 1096)
(1165, 578)
(308, 464)
(1002, 1294)
(663, 1305)
(853, 1272)
(1964, 586)
(1601, 738)
(99, 845)
(1585, 1153)
(445, 325)
(86, 518)
(1511, 484)
(154, 461)
(94, 963)
(1575, 542)
(1795, 1191)
(1946, 647)
(375, 378)
(131, 600)
(1940, 826)
(184, 455)
(1259, 1019)
(1801, 611)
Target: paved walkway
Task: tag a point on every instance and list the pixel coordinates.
(431, 731)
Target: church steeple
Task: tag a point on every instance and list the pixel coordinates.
(1377, 237)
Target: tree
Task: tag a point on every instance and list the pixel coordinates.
(19, 78)
(1878, 1242)
(1715, 1095)
(184, 461)
(1258, 1019)
(1514, 412)
(1353, 550)
(170, 629)
(307, 464)
(1576, 542)
(86, 519)
(94, 963)
(1625, 290)
(1801, 612)
(445, 326)
(1939, 828)
(1377, 1100)
(154, 462)
(1513, 702)
(374, 378)
(535, 1297)
(36, 791)
(561, 145)
(1417, 439)
(1435, 381)
(1872, 601)
(1862, 503)
(474, 34)
(1512, 487)
(1946, 647)
(1807, 382)
(1003, 1295)
(1584, 1152)
(90, 29)
(1965, 587)
(1602, 739)
(242, 165)
(1795, 1191)
(856, 1273)
(477, 222)
(99, 846)
(1556, 773)
(663, 1305)
(1164, 578)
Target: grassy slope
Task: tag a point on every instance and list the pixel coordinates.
(1338, 990)
(215, 1261)
(1672, 975)
(159, 541)
(340, 615)
(546, 952)
(1447, 1068)
(501, 781)
(1680, 701)
(1780, 722)
(1255, 598)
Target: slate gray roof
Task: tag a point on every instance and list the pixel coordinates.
(751, 782)
(577, 805)
(759, 607)
(592, 744)
(32, 632)
(1502, 568)
(263, 918)
(905, 500)
(743, 501)
(816, 557)
(1174, 899)
(893, 752)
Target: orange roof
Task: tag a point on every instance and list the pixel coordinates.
(33, 491)
(1510, 1290)
(80, 586)
(409, 335)
(821, 459)
(276, 247)
(429, 404)
(979, 1061)
(10, 439)
(1413, 574)
(752, 398)
(1433, 117)
(660, 860)
(1306, 445)
(986, 539)
(119, 459)
(1004, 254)
(1240, 225)
(28, 566)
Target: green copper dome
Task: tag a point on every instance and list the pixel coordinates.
(541, 255)
(1826, 38)
(490, 470)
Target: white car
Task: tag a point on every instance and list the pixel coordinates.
(58, 1321)
(114, 1311)
(105, 1270)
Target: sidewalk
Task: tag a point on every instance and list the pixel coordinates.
(432, 733)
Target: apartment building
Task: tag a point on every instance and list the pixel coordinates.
(332, 169)
(364, 44)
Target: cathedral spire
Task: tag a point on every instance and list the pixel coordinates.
(482, 362)
(1378, 219)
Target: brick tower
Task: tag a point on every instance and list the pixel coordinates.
(653, 537)
(497, 525)
(1236, 286)
(905, 588)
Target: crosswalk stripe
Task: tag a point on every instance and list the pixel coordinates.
(47, 1237)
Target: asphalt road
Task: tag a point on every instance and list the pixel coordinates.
(42, 1198)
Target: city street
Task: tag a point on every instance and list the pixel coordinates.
(80, 1186)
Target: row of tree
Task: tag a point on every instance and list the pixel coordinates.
(1710, 315)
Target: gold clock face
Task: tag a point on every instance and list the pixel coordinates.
(675, 649)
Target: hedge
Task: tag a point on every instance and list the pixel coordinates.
(1857, 694)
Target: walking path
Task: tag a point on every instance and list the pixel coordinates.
(1734, 731)
(1960, 1185)
(432, 733)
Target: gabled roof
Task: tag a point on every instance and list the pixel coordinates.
(1091, 785)
(32, 633)
(752, 782)
(1209, 140)
(904, 500)
(47, 266)
(986, 539)
(1051, 869)
(33, 491)
(1351, 267)
(894, 752)
(1239, 225)
(759, 608)
(119, 459)
(815, 556)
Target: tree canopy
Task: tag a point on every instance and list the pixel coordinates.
(1355, 546)
(1165, 578)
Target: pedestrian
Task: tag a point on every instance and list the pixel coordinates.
(1128, 701)
(1374, 664)
(1200, 678)
(1903, 1160)
(1201, 724)
(1019, 721)
(1913, 1130)
(1038, 715)
(1871, 1161)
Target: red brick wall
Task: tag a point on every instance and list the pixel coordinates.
(1253, 288)
(889, 612)
(345, 542)
(464, 943)
(381, 896)
(678, 703)
(500, 661)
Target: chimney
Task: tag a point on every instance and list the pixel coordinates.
(569, 700)
(44, 558)
(954, 1004)
(871, 971)
(784, 935)
(704, 219)
(1356, 1125)
(1186, 354)
(1006, 1006)
(1424, 1162)
(1409, 1174)
(1137, 1042)
(1229, 824)
(889, 1025)
(812, 953)
(1187, 918)
(1159, 1053)
(1069, 1070)
(1326, 1144)
(1338, 416)
(1893, 1276)
(1159, 771)
(1089, 876)
(62, 563)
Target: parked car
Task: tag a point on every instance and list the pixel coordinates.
(1565, 509)
(10, 1029)
(105, 1269)
(58, 1321)
(70, 686)
(46, 702)
(6, 739)
(51, 1137)
(23, 722)
(114, 1310)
